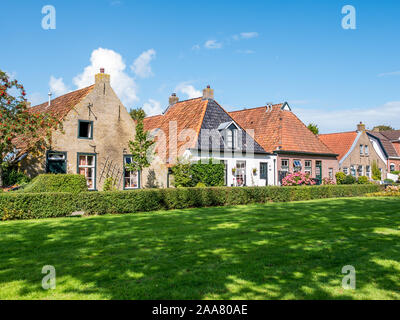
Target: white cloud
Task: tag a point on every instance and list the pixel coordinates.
(213, 44)
(245, 51)
(57, 86)
(249, 35)
(331, 120)
(196, 47)
(141, 66)
(189, 90)
(394, 73)
(36, 98)
(152, 107)
(124, 85)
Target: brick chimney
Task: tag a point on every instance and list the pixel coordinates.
(102, 77)
(208, 93)
(361, 127)
(173, 99)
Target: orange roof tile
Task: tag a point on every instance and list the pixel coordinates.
(187, 115)
(340, 142)
(274, 128)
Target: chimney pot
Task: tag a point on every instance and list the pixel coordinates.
(208, 93)
(101, 70)
(361, 127)
(173, 99)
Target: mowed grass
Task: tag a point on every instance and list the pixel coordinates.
(271, 251)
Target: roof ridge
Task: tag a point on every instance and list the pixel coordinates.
(75, 91)
(246, 109)
(326, 134)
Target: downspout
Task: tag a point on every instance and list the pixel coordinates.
(274, 172)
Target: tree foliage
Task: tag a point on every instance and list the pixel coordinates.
(137, 114)
(376, 173)
(141, 148)
(18, 125)
(383, 128)
(313, 128)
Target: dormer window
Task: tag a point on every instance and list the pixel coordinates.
(230, 135)
(85, 129)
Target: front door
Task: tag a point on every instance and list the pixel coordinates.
(56, 162)
(318, 171)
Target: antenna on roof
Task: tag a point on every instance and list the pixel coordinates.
(49, 94)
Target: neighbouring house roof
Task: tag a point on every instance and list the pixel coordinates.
(387, 146)
(277, 128)
(396, 146)
(339, 143)
(392, 135)
(59, 108)
(190, 117)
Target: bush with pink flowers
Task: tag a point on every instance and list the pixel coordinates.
(298, 179)
(328, 181)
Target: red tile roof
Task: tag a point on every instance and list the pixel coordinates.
(279, 128)
(59, 108)
(339, 143)
(188, 115)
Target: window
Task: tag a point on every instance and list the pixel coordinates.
(360, 171)
(296, 166)
(285, 165)
(85, 129)
(361, 150)
(392, 167)
(308, 167)
(353, 170)
(346, 171)
(231, 137)
(330, 173)
(87, 168)
(368, 170)
(56, 162)
(263, 170)
(366, 150)
(240, 173)
(131, 178)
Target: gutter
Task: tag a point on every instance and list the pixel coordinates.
(306, 153)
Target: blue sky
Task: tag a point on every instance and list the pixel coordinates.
(250, 52)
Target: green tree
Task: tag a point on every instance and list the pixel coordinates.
(313, 128)
(383, 128)
(20, 126)
(376, 173)
(182, 173)
(137, 113)
(141, 148)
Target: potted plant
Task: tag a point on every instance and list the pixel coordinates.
(254, 171)
(233, 171)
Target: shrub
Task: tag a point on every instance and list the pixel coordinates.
(350, 180)
(363, 180)
(388, 181)
(297, 179)
(73, 183)
(340, 177)
(201, 185)
(13, 177)
(61, 204)
(109, 184)
(376, 173)
(328, 181)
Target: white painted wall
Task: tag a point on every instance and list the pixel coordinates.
(252, 161)
(378, 149)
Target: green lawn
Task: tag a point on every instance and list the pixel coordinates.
(272, 251)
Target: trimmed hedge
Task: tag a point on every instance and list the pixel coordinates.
(73, 183)
(47, 205)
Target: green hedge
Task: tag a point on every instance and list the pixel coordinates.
(73, 183)
(45, 205)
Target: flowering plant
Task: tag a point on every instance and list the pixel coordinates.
(298, 179)
(327, 181)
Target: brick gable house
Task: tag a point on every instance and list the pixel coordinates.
(200, 129)
(390, 143)
(279, 131)
(94, 141)
(357, 151)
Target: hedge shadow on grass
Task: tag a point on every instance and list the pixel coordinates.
(274, 251)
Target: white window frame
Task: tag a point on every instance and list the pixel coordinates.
(285, 167)
(366, 150)
(361, 149)
(86, 168)
(308, 169)
(132, 175)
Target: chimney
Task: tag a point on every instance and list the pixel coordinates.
(173, 99)
(102, 77)
(376, 129)
(28, 104)
(49, 94)
(361, 127)
(208, 93)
